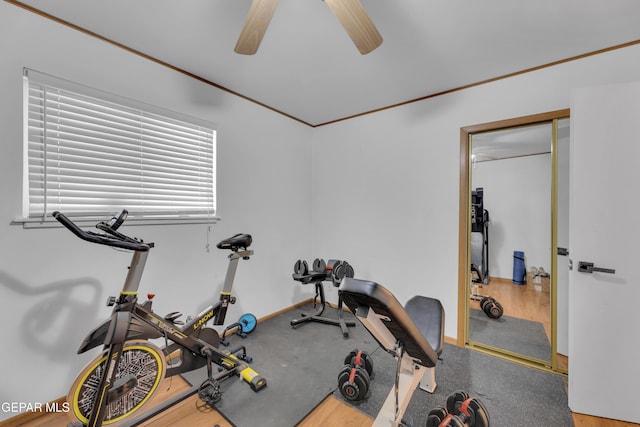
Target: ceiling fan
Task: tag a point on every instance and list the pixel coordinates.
(350, 13)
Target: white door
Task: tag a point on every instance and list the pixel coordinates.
(604, 307)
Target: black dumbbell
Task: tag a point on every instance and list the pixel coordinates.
(353, 382)
(469, 410)
(319, 266)
(475, 411)
(454, 421)
(301, 268)
(360, 358)
(337, 270)
(341, 269)
(491, 307)
(348, 270)
(437, 416)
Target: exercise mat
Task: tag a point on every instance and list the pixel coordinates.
(300, 365)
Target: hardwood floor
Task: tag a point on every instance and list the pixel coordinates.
(191, 412)
(524, 301)
(332, 413)
(529, 301)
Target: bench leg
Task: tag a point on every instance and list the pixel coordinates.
(428, 382)
(408, 378)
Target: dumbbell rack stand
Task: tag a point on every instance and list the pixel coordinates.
(316, 315)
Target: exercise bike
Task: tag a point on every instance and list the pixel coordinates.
(125, 376)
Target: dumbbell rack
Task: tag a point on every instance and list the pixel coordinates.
(333, 271)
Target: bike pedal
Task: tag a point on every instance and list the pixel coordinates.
(210, 392)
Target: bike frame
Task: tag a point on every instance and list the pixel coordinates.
(195, 353)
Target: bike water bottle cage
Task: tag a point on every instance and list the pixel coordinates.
(114, 239)
(236, 242)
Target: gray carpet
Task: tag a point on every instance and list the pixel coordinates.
(301, 367)
(519, 336)
(515, 396)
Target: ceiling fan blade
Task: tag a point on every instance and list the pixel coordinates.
(255, 26)
(357, 23)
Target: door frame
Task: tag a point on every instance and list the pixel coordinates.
(464, 226)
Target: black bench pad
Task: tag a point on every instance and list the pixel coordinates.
(428, 315)
(360, 293)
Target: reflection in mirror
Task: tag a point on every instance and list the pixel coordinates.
(510, 241)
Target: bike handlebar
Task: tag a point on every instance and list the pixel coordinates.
(117, 241)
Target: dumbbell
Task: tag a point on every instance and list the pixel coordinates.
(447, 416)
(469, 410)
(319, 266)
(353, 382)
(437, 417)
(340, 270)
(301, 268)
(491, 307)
(360, 358)
(354, 378)
(345, 270)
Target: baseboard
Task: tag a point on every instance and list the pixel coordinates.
(451, 341)
(284, 310)
(500, 279)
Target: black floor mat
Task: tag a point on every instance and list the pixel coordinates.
(301, 366)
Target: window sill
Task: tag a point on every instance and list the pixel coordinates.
(50, 222)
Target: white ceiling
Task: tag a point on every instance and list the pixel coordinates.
(308, 68)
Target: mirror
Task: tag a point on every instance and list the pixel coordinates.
(511, 239)
(512, 223)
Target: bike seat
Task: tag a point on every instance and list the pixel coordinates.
(236, 242)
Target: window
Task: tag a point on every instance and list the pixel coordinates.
(89, 154)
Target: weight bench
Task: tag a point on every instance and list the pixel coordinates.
(414, 334)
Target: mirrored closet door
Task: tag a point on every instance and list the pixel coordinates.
(513, 205)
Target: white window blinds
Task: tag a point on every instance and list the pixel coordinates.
(90, 156)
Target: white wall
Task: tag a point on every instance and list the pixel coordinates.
(517, 195)
(385, 188)
(382, 193)
(53, 286)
